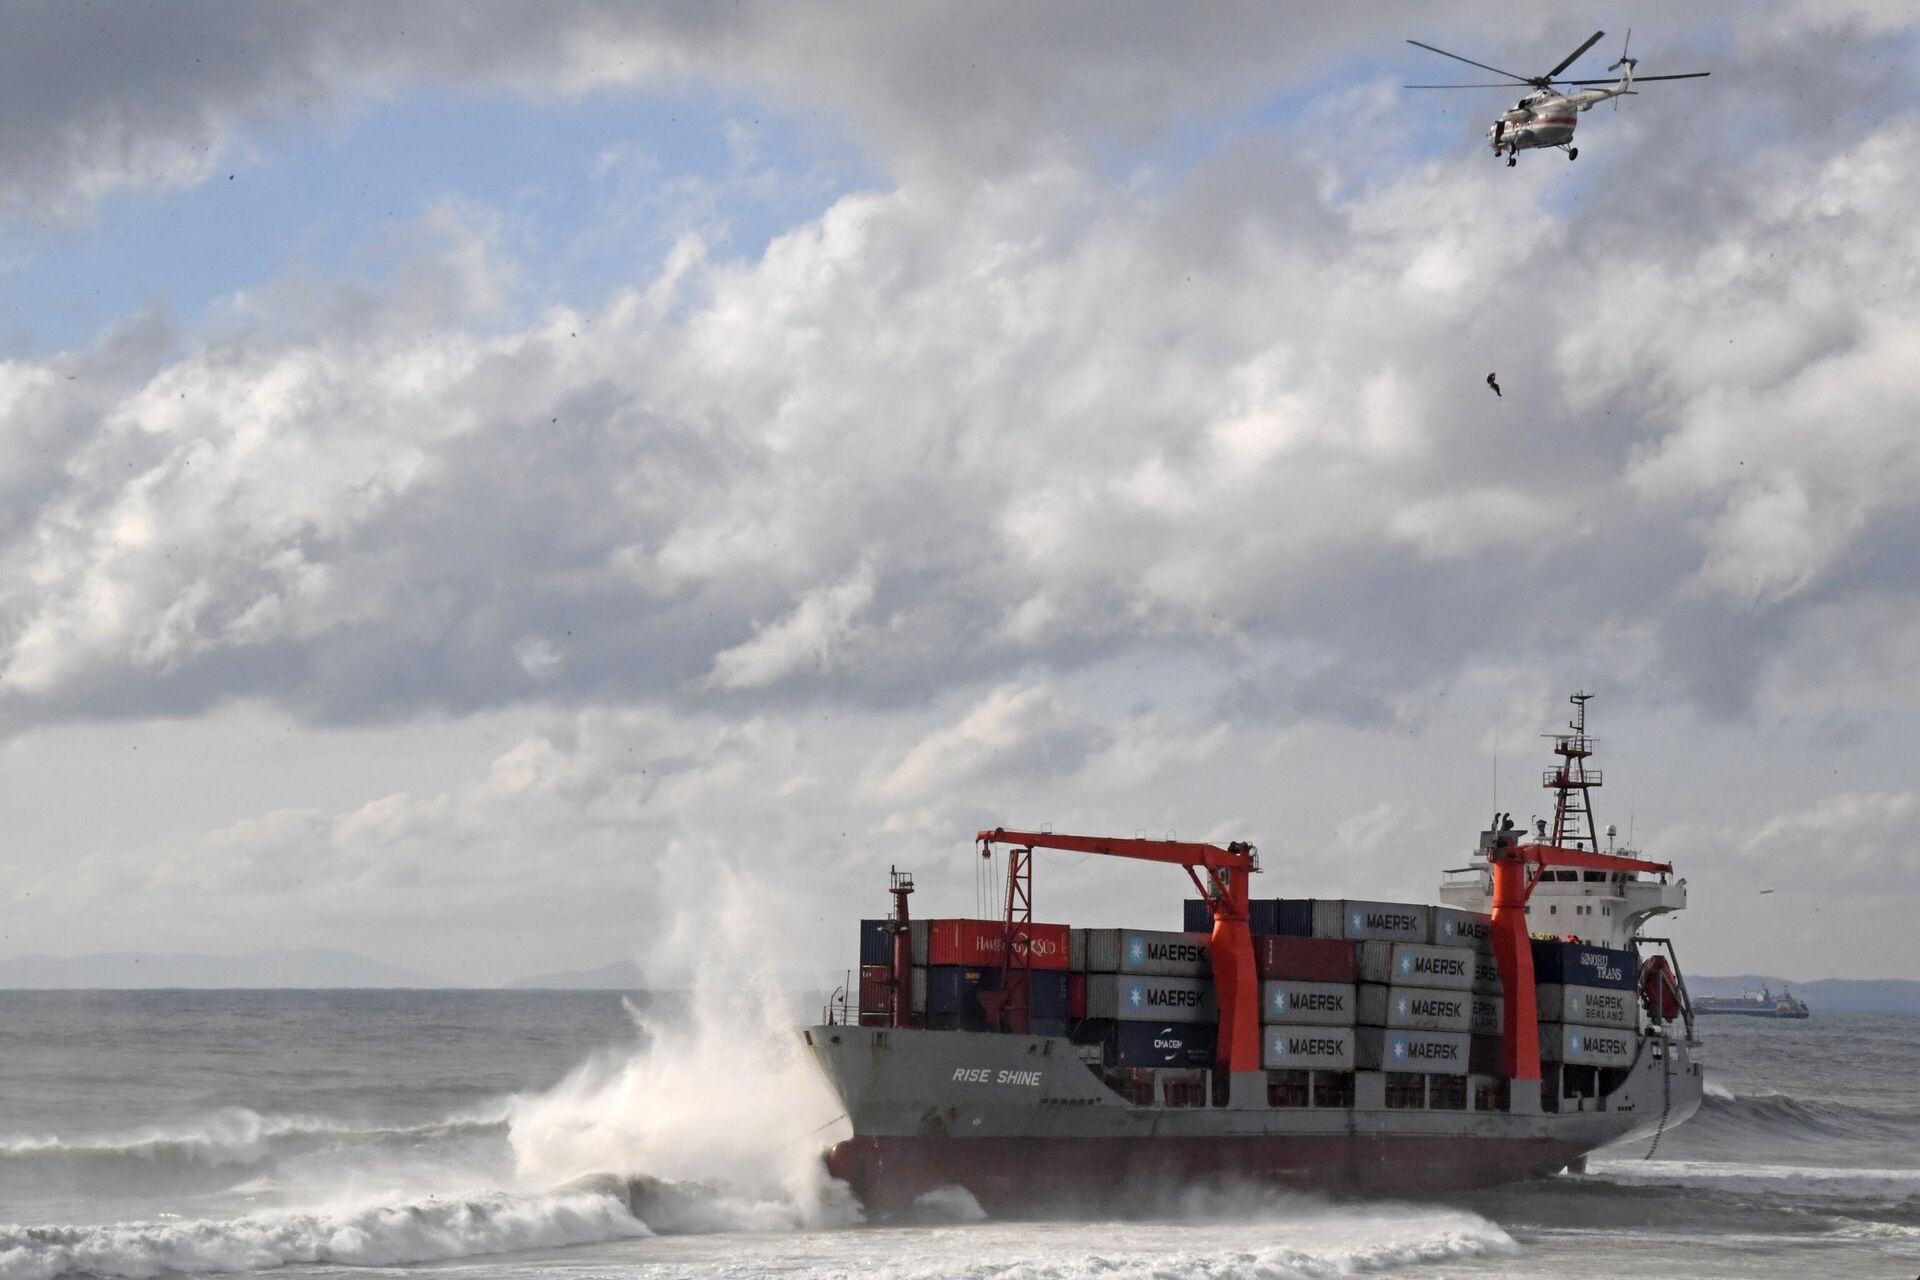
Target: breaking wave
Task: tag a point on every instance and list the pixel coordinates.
(423, 1230)
(236, 1136)
(1771, 1127)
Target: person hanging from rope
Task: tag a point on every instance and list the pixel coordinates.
(1493, 381)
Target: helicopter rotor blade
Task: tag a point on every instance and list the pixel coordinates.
(1470, 62)
(1456, 86)
(1684, 75)
(1569, 59)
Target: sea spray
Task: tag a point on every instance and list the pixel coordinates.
(718, 1100)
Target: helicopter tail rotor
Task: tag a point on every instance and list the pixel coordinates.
(1625, 61)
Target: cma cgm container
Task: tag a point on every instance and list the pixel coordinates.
(1414, 1008)
(978, 943)
(1436, 1052)
(1167, 955)
(1587, 1046)
(1417, 964)
(1577, 964)
(1160, 1044)
(1304, 959)
(1134, 998)
(1453, 927)
(1310, 1048)
(1588, 1006)
(1321, 1004)
(1371, 921)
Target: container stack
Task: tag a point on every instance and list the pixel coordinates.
(1589, 1012)
(1149, 998)
(956, 960)
(1308, 1009)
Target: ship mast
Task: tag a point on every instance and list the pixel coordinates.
(1571, 782)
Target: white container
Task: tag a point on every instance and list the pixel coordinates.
(1488, 1016)
(1143, 998)
(1453, 927)
(1414, 1008)
(1486, 974)
(1417, 964)
(1588, 1006)
(1309, 1048)
(1588, 1046)
(1143, 951)
(1318, 1004)
(1436, 1052)
(1371, 921)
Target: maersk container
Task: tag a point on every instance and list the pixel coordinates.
(1416, 964)
(876, 943)
(1414, 1008)
(977, 943)
(1145, 999)
(1587, 1046)
(1144, 951)
(1319, 1004)
(1486, 974)
(1304, 959)
(1588, 1006)
(1577, 964)
(1489, 1017)
(1438, 1052)
(1371, 921)
(1453, 927)
(1307, 1048)
(1161, 1044)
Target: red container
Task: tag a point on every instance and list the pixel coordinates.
(1275, 955)
(977, 943)
(1076, 996)
(876, 986)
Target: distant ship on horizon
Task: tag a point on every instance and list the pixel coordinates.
(1755, 1004)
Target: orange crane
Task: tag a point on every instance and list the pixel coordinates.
(1224, 887)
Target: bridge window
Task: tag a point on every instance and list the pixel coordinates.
(1333, 1088)
(1406, 1090)
(1287, 1088)
(1446, 1093)
(1595, 877)
(1493, 1095)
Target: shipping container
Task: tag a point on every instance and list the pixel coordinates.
(1160, 1044)
(876, 988)
(1289, 916)
(1047, 995)
(1307, 1048)
(1416, 964)
(876, 943)
(954, 989)
(1587, 1046)
(1483, 1056)
(1047, 1027)
(1371, 921)
(1435, 1052)
(977, 943)
(1167, 955)
(1453, 927)
(1076, 996)
(1489, 1014)
(1414, 1008)
(1579, 965)
(1304, 959)
(1486, 974)
(1196, 916)
(1588, 1006)
(1143, 999)
(1321, 1004)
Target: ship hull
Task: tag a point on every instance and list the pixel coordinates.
(1022, 1124)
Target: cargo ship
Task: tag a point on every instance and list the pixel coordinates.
(1321, 1044)
(1756, 1004)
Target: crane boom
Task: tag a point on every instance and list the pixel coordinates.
(1224, 888)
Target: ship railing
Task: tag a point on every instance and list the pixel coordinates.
(839, 1011)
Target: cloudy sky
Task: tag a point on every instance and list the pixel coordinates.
(482, 482)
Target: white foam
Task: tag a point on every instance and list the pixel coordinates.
(386, 1234)
(955, 1204)
(229, 1136)
(1821, 1181)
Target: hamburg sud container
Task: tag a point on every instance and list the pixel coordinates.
(1319, 1004)
(1437, 1052)
(1588, 1046)
(977, 943)
(1577, 964)
(1141, 998)
(1588, 1006)
(1160, 1044)
(1455, 928)
(1311, 1048)
(1415, 1008)
(1417, 964)
(1305, 959)
(1371, 921)
(1143, 951)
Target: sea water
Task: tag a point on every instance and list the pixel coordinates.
(489, 1133)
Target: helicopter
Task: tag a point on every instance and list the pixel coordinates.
(1546, 116)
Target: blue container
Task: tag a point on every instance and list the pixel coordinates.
(1048, 1026)
(954, 988)
(1290, 916)
(1580, 965)
(1047, 996)
(876, 944)
(1158, 1044)
(1197, 918)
